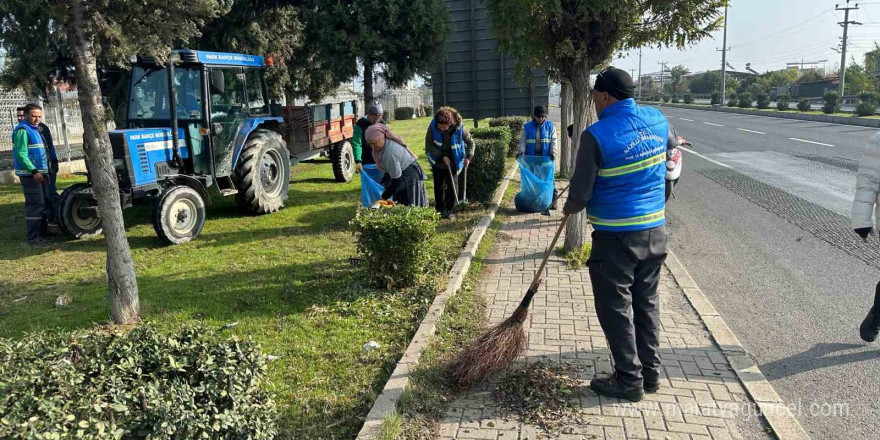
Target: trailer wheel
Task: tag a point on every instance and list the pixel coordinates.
(71, 221)
(263, 173)
(343, 161)
(179, 215)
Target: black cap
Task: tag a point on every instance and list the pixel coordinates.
(615, 82)
(540, 111)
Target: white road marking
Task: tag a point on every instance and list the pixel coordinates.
(686, 119)
(704, 157)
(811, 142)
(751, 131)
(709, 123)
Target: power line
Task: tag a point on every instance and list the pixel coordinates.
(776, 34)
(846, 22)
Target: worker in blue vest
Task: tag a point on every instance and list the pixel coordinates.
(449, 147)
(619, 178)
(539, 139)
(30, 158)
(54, 198)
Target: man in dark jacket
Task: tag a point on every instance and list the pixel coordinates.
(54, 199)
(363, 154)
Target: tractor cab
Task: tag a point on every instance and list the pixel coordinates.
(198, 121)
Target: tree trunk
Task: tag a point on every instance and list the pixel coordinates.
(584, 114)
(565, 156)
(123, 289)
(368, 83)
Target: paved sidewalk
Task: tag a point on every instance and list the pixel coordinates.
(700, 396)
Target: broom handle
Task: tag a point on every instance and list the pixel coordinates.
(536, 281)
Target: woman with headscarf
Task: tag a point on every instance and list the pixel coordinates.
(450, 148)
(406, 179)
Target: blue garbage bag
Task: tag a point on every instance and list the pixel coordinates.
(371, 188)
(536, 193)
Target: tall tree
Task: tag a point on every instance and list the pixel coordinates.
(858, 81)
(677, 82)
(574, 36)
(110, 30)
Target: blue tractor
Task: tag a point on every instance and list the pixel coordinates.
(200, 121)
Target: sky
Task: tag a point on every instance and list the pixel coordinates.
(770, 33)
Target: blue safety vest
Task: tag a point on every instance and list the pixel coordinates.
(36, 151)
(458, 145)
(530, 131)
(629, 190)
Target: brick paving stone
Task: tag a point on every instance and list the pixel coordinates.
(699, 395)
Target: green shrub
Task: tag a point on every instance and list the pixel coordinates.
(666, 98)
(404, 113)
(832, 102)
(674, 99)
(386, 116)
(804, 105)
(429, 110)
(657, 98)
(688, 98)
(745, 100)
(733, 101)
(865, 108)
(763, 100)
(393, 242)
(871, 97)
(782, 102)
(515, 124)
(716, 98)
(142, 384)
(487, 167)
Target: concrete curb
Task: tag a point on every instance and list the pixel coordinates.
(773, 409)
(842, 120)
(386, 402)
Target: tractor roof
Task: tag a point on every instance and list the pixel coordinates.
(213, 58)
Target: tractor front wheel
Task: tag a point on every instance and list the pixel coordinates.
(179, 215)
(72, 220)
(342, 157)
(263, 173)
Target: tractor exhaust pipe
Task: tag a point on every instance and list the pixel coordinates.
(172, 102)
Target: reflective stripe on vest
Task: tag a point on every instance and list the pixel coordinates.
(633, 167)
(632, 221)
(533, 136)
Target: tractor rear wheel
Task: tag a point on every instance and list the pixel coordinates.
(72, 221)
(342, 156)
(262, 175)
(179, 215)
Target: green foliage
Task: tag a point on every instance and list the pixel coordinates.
(782, 102)
(733, 100)
(763, 100)
(429, 110)
(666, 98)
(386, 116)
(745, 100)
(716, 98)
(487, 166)
(688, 98)
(404, 113)
(677, 83)
(709, 82)
(811, 75)
(804, 105)
(140, 384)
(515, 124)
(394, 243)
(867, 104)
(832, 102)
(674, 99)
(778, 78)
(577, 258)
(858, 80)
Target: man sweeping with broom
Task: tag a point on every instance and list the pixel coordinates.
(619, 179)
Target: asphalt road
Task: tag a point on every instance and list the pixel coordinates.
(761, 220)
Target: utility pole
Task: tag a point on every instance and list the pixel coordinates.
(640, 74)
(845, 25)
(724, 49)
(662, 69)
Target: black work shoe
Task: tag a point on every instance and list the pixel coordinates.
(611, 387)
(870, 327)
(651, 386)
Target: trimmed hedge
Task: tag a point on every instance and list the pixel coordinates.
(675, 99)
(865, 108)
(733, 101)
(515, 124)
(745, 100)
(665, 98)
(716, 98)
(429, 110)
(487, 166)
(832, 102)
(688, 98)
(392, 242)
(804, 105)
(402, 113)
(782, 102)
(142, 384)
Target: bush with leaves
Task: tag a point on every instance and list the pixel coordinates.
(429, 110)
(688, 98)
(666, 98)
(782, 102)
(140, 384)
(804, 105)
(832, 102)
(745, 100)
(404, 113)
(674, 99)
(393, 243)
(515, 124)
(762, 100)
(733, 101)
(487, 167)
(716, 98)
(386, 116)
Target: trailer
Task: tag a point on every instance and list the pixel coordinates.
(322, 130)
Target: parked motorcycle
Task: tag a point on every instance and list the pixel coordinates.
(673, 167)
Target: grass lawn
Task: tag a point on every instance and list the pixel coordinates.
(285, 278)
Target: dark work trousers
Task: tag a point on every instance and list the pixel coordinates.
(37, 206)
(54, 198)
(444, 193)
(625, 272)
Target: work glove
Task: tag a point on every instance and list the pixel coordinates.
(863, 232)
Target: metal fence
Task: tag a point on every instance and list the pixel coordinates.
(60, 112)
